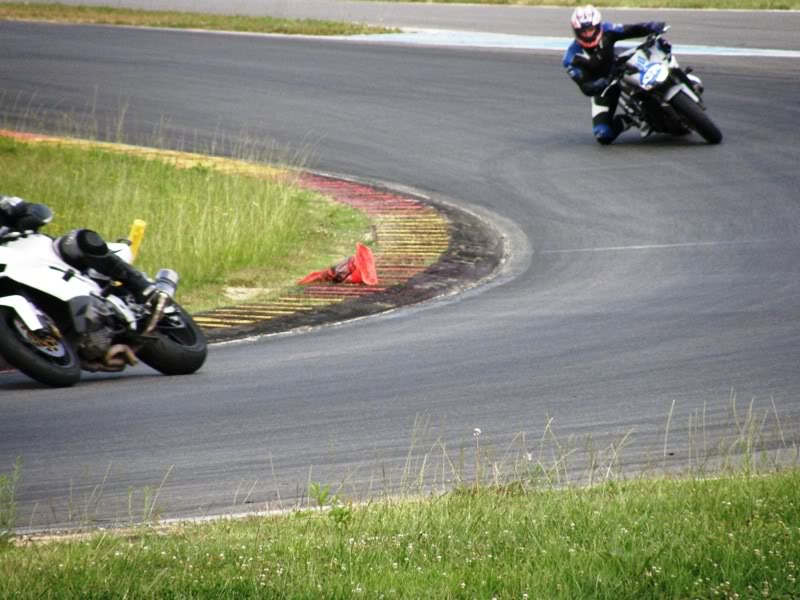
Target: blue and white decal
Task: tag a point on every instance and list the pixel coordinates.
(652, 75)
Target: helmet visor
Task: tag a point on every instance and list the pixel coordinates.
(589, 36)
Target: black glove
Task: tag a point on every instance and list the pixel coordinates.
(33, 216)
(657, 26)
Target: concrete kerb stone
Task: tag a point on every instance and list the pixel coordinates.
(423, 249)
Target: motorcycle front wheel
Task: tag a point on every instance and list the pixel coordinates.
(180, 345)
(45, 356)
(696, 117)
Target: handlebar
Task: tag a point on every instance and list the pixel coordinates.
(621, 66)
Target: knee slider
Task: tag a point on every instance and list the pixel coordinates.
(603, 134)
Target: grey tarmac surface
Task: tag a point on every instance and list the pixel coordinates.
(651, 278)
(775, 29)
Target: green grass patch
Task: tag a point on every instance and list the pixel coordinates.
(718, 4)
(516, 524)
(217, 230)
(733, 537)
(8, 506)
(99, 15)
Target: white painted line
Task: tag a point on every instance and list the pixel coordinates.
(654, 247)
(475, 39)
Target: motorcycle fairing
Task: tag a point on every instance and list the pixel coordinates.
(648, 72)
(25, 310)
(25, 265)
(55, 278)
(652, 75)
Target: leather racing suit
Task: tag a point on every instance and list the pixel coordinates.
(590, 69)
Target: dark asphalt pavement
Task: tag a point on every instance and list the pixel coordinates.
(647, 282)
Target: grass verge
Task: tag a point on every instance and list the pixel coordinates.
(99, 15)
(512, 526)
(8, 506)
(219, 231)
(698, 4)
(731, 537)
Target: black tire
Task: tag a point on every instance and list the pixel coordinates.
(696, 117)
(180, 347)
(48, 358)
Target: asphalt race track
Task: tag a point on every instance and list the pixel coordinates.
(650, 282)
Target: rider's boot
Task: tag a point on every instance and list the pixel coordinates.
(134, 280)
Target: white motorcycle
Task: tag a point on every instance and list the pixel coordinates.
(56, 321)
(658, 94)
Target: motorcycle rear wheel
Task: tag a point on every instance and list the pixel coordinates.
(46, 357)
(180, 345)
(697, 118)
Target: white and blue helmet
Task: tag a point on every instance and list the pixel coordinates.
(586, 25)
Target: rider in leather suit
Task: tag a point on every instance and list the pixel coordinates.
(589, 60)
(81, 248)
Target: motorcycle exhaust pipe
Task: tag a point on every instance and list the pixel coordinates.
(167, 282)
(120, 356)
(167, 285)
(116, 358)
